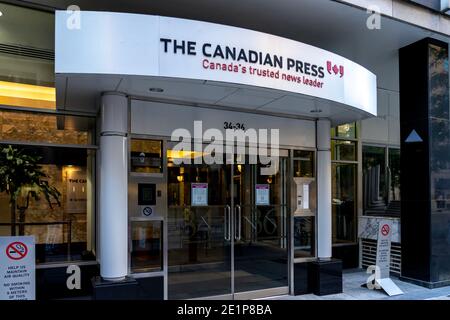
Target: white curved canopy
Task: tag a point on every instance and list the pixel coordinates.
(142, 50)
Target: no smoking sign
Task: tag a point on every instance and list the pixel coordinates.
(385, 229)
(17, 268)
(16, 250)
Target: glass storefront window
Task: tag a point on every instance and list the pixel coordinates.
(343, 150)
(381, 181)
(394, 174)
(344, 202)
(146, 246)
(63, 226)
(374, 179)
(146, 156)
(347, 131)
(304, 237)
(303, 163)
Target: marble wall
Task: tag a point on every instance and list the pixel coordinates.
(368, 228)
(39, 211)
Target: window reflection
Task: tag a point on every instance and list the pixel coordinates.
(381, 181)
(344, 202)
(63, 227)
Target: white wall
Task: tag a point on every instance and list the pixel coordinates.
(153, 118)
(385, 128)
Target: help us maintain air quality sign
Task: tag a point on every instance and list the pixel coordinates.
(17, 268)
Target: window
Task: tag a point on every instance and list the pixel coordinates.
(345, 131)
(344, 202)
(303, 163)
(394, 175)
(63, 226)
(343, 150)
(344, 156)
(146, 156)
(60, 146)
(381, 180)
(146, 246)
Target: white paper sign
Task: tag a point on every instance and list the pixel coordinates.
(305, 197)
(199, 194)
(384, 247)
(17, 268)
(262, 195)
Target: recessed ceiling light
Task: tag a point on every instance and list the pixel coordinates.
(159, 90)
(316, 111)
(1, 13)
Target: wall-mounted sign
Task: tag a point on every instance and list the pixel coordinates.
(17, 268)
(199, 194)
(147, 211)
(76, 191)
(147, 45)
(262, 197)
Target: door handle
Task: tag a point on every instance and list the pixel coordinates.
(238, 218)
(227, 224)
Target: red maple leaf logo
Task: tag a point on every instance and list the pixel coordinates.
(333, 68)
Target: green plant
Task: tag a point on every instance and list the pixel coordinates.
(22, 178)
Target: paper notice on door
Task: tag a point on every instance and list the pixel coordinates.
(199, 194)
(262, 195)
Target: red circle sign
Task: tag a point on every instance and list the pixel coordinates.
(16, 250)
(385, 230)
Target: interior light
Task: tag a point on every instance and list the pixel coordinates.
(181, 154)
(26, 95)
(1, 13)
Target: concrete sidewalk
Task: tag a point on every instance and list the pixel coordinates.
(353, 279)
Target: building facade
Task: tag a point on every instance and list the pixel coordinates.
(102, 97)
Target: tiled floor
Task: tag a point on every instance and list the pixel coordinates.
(353, 291)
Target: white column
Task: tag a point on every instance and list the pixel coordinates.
(113, 222)
(324, 218)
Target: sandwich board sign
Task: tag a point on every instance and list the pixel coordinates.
(17, 268)
(384, 248)
(383, 261)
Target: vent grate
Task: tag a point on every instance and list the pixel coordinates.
(369, 255)
(29, 52)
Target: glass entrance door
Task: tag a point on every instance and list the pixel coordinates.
(260, 244)
(199, 231)
(226, 229)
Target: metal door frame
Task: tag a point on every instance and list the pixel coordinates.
(233, 295)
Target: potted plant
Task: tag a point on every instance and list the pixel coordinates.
(22, 178)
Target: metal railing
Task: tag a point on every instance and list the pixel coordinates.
(68, 223)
